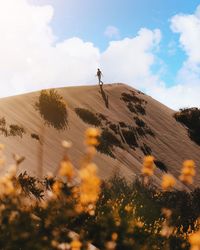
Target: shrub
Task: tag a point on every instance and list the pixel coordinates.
(130, 137)
(52, 109)
(190, 117)
(146, 149)
(107, 141)
(139, 122)
(88, 117)
(134, 103)
(161, 165)
(126, 97)
(16, 130)
(35, 136)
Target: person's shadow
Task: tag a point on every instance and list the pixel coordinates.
(104, 96)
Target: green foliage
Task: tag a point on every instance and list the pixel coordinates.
(52, 109)
(89, 117)
(190, 117)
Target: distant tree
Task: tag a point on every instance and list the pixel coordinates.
(52, 109)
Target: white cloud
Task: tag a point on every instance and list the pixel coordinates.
(186, 92)
(31, 58)
(130, 60)
(112, 32)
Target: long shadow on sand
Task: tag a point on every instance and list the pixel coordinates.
(104, 96)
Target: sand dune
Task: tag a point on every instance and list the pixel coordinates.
(158, 131)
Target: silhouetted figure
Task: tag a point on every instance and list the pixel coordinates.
(99, 75)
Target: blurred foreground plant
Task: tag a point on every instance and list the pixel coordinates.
(76, 209)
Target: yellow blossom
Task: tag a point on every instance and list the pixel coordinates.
(188, 172)
(75, 245)
(91, 136)
(66, 169)
(57, 187)
(114, 236)
(148, 166)
(194, 240)
(168, 182)
(6, 185)
(90, 184)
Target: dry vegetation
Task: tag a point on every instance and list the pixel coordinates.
(76, 209)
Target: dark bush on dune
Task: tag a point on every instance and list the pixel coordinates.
(16, 130)
(52, 109)
(130, 137)
(161, 165)
(107, 141)
(190, 117)
(88, 117)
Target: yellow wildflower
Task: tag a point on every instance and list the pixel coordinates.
(114, 236)
(92, 135)
(148, 166)
(168, 182)
(188, 172)
(194, 240)
(6, 185)
(57, 187)
(66, 169)
(90, 184)
(75, 245)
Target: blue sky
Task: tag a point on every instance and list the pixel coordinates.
(88, 20)
(151, 45)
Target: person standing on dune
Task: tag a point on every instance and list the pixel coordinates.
(99, 75)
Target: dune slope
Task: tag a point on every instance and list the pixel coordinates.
(137, 123)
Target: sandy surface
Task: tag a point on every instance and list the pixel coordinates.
(170, 143)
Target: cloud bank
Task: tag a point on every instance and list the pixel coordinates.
(32, 58)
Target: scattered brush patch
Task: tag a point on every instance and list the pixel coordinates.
(161, 165)
(2, 122)
(114, 127)
(123, 125)
(11, 130)
(126, 97)
(16, 130)
(143, 131)
(107, 141)
(139, 122)
(146, 149)
(102, 117)
(130, 137)
(88, 117)
(35, 136)
(134, 104)
(190, 117)
(140, 109)
(30, 185)
(52, 109)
